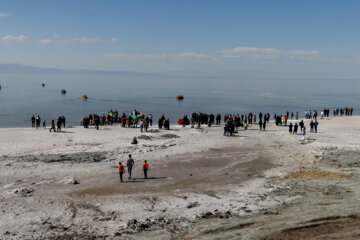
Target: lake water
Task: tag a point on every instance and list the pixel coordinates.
(22, 95)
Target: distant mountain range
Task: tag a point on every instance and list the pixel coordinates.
(19, 68)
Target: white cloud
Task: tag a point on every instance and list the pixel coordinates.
(45, 41)
(4, 15)
(113, 39)
(11, 38)
(177, 56)
(255, 53)
(57, 40)
(81, 40)
(131, 56)
(191, 55)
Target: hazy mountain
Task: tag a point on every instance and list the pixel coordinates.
(19, 68)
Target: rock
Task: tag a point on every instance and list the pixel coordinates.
(131, 222)
(207, 215)
(24, 192)
(192, 204)
(70, 181)
(143, 226)
(270, 211)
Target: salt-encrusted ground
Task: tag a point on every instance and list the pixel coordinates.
(255, 185)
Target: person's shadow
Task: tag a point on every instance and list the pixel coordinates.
(151, 178)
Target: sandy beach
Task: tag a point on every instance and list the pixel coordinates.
(202, 185)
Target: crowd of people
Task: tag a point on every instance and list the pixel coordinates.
(232, 122)
(36, 122)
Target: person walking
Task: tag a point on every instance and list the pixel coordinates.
(58, 125)
(311, 126)
(290, 128)
(303, 133)
(121, 171)
(52, 126)
(97, 122)
(145, 168)
(295, 128)
(301, 124)
(150, 119)
(141, 125)
(316, 123)
(130, 163)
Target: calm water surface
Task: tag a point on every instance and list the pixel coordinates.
(22, 95)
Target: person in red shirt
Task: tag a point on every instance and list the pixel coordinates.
(121, 171)
(146, 168)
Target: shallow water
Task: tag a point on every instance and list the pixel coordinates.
(22, 95)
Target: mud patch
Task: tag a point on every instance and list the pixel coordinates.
(169, 136)
(144, 137)
(72, 157)
(334, 227)
(342, 158)
(314, 174)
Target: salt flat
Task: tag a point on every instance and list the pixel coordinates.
(202, 185)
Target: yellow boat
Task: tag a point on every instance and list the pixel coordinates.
(84, 96)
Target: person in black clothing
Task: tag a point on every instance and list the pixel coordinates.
(264, 125)
(33, 121)
(218, 119)
(301, 124)
(63, 120)
(160, 123)
(311, 126)
(315, 125)
(97, 122)
(59, 122)
(290, 128)
(38, 121)
(260, 124)
(295, 128)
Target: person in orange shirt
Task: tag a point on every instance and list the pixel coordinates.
(121, 171)
(146, 168)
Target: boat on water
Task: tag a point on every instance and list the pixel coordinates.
(63, 91)
(43, 85)
(179, 97)
(84, 96)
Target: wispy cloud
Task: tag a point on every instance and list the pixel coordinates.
(191, 55)
(131, 56)
(259, 53)
(45, 41)
(176, 56)
(4, 15)
(12, 38)
(57, 40)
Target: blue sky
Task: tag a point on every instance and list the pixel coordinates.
(263, 38)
